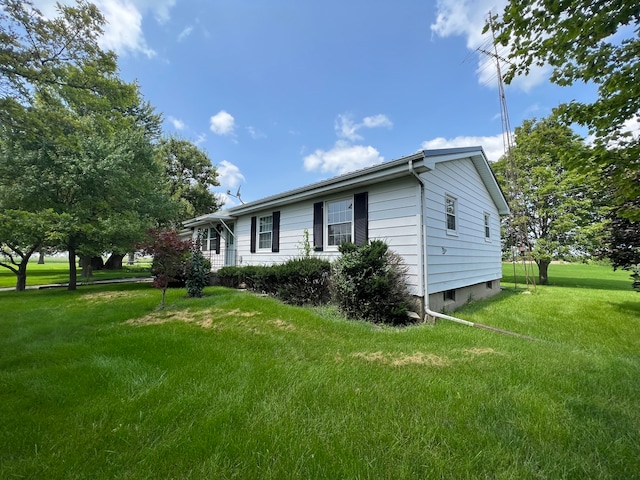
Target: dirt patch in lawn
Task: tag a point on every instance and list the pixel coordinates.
(207, 318)
(100, 297)
(480, 351)
(282, 325)
(401, 359)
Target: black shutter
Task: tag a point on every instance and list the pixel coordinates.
(361, 217)
(275, 232)
(254, 229)
(217, 242)
(318, 227)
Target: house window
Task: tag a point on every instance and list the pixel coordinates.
(339, 222)
(213, 237)
(450, 211)
(265, 232)
(487, 228)
(205, 238)
(449, 295)
(490, 285)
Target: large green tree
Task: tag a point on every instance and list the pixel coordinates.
(36, 51)
(555, 203)
(586, 41)
(22, 233)
(191, 177)
(75, 139)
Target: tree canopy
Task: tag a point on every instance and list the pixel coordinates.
(75, 140)
(590, 42)
(555, 202)
(191, 177)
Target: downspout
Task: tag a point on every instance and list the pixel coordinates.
(424, 256)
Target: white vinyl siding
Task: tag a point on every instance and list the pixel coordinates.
(393, 217)
(466, 258)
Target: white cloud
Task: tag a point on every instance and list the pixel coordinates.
(347, 128)
(229, 175)
(177, 123)
(185, 33)
(200, 139)
(493, 146)
(342, 158)
(255, 133)
(377, 121)
(123, 31)
(222, 123)
(467, 18)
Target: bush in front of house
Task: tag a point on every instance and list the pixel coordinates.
(235, 277)
(303, 281)
(299, 281)
(368, 283)
(196, 272)
(230, 277)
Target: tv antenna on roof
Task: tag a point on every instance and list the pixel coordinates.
(237, 195)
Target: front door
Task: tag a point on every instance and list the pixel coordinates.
(230, 252)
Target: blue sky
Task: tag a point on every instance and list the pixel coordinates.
(283, 93)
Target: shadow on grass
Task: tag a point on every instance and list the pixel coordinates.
(628, 307)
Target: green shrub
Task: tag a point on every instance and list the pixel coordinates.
(301, 281)
(368, 283)
(230, 277)
(197, 271)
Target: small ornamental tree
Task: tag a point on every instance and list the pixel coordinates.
(169, 255)
(197, 272)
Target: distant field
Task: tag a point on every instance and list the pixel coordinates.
(56, 270)
(100, 384)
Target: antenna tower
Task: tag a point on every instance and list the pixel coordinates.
(518, 220)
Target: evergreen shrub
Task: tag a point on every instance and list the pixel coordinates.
(196, 272)
(368, 283)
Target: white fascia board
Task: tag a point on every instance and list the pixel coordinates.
(207, 219)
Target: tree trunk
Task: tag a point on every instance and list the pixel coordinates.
(132, 258)
(41, 258)
(543, 268)
(21, 276)
(114, 262)
(85, 265)
(73, 272)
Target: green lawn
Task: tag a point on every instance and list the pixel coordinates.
(98, 383)
(56, 270)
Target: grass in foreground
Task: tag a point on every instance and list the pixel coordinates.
(99, 384)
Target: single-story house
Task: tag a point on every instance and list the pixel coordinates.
(439, 209)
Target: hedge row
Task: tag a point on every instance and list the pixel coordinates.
(300, 281)
(365, 282)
